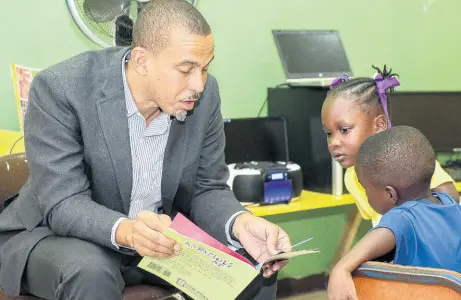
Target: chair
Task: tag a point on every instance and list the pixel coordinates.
(375, 280)
(13, 175)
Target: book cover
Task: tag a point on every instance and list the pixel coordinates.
(206, 269)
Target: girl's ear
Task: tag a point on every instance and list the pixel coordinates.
(380, 123)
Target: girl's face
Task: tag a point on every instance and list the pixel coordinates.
(347, 125)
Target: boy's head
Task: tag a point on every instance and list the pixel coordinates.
(354, 110)
(394, 166)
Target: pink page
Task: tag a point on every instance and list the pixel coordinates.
(185, 227)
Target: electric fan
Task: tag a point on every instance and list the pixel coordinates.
(107, 22)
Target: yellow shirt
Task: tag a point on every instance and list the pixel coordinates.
(358, 192)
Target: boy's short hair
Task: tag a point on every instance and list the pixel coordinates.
(400, 157)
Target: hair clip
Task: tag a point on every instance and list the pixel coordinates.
(382, 85)
(338, 81)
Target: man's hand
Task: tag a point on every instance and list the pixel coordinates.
(145, 235)
(261, 239)
(341, 286)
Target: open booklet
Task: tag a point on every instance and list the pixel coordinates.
(204, 268)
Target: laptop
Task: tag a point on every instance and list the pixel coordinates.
(311, 57)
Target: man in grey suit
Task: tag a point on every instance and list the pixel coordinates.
(118, 141)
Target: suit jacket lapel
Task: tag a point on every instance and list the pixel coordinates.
(114, 123)
(173, 162)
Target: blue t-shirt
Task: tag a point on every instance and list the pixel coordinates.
(426, 234)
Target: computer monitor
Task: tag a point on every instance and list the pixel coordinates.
(311, 53)
(436, 114)
(256, 139)
(301, 108)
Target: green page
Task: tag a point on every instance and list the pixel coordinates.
(201, 271)
(204, 272)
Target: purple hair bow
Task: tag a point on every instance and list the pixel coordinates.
(338, 81)
(382, 85)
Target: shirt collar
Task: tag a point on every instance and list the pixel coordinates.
(160, 124)
(130, 105)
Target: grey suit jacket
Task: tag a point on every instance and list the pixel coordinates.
(77, 145)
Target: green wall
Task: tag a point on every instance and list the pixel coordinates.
(422, 46)
(420, 39)
(36, 34)
(327, 227)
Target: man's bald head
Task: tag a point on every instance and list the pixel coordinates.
(157, 19)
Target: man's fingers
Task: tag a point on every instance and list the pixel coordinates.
(284, 244)
(272, 234)
(154, 236)
(278, 265)
(143, 251)
(141, 242)
(277, 240)
(270, 268)
(151, 238)
(268, 272)
(165, 219)
(153, 221)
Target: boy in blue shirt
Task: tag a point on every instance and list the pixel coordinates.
(395, 168)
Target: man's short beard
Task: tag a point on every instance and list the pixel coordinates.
(181, 115)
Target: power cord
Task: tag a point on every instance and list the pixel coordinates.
(267, 98)
(15, 142)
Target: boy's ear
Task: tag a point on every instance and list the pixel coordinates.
(380, 123)
(392, 195)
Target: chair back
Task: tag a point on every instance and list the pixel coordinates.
(13, 175)
(375, 280)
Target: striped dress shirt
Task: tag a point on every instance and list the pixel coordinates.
(147, 145)
(147, 152)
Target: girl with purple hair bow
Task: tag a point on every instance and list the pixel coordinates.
(355, 109)
(383, 80)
